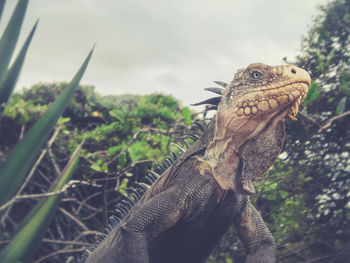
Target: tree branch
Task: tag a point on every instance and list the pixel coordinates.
(35, 196)
(76, 220)
(328, 123)
(30, 175)
(331, 120)
(58, 252)
(309, 118)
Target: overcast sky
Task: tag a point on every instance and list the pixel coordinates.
(174, 47)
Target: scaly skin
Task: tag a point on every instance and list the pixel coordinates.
(191, 205)
(255, 96)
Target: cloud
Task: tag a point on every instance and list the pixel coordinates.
(177, 47)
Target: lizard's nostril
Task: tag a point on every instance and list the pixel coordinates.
(293, 71)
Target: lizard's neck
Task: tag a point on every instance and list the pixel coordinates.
(222, 158)
(222, 155)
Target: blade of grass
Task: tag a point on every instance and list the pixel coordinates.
(27, 240)
(9, 81)
(2, 3)
(19, 161)
(10, 36)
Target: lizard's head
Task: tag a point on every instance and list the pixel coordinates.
(256, 95)
(260, 91)
(250, 115)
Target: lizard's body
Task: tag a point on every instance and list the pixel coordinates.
(191, 205)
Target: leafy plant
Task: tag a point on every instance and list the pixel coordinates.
(313, 93)
(341, 106)
(29, 147)
(106, 160)
(33, 227)
(14, 169)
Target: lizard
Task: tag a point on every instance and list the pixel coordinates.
(189, 207)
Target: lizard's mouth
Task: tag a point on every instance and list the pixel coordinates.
(286, 99)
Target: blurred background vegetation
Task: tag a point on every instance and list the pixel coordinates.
(305, 200)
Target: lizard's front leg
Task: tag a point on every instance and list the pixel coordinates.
(153, 217)
(129, 242)
(255, 235)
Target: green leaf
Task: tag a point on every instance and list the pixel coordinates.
(122, 161)
(272, 186)
(27, 240)
(123, 186)
(344, 79)
(312, 93)
(133, 154)
(330, 100)
(118, 114)
(307, 179)
(320, 60)
(128, 174)
(346, 18)
(20, 160)
(283, 193)
(330, 57)
(10, 36)
(341, 106)
(63, 120)
(9, 81)
(96, 168)
(187, 115)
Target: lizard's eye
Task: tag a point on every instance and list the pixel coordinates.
(256, 74)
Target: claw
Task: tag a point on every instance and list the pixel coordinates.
(292, 117)
(296, 107)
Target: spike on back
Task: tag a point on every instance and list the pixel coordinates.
(221, 83)
(199, 126)
(216, 90)
(182, 150)
(213, 101)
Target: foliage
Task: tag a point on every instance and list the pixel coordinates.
(122, 134)
(322, 154)
(27, 240)
(21, 158)
(318, 153)
(14, 170)
(312, 93)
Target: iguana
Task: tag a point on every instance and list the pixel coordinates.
(188, 208)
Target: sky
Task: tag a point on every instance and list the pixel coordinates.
(173, 47)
